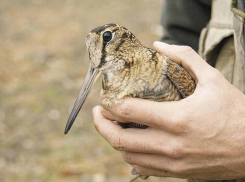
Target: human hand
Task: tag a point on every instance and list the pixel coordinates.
(201, 136)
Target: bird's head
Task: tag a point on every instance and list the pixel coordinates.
(108, 47)
(109, 44)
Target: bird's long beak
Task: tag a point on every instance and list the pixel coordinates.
(91, 77)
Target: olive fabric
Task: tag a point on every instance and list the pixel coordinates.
(239, 32)
(183, 21)
(241, 5)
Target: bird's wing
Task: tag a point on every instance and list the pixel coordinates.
(181, 78)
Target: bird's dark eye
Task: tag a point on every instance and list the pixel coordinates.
(107, 36)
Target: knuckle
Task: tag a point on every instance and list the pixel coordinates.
(176, 152)
(180, 123)
(127, 157)
(181, 127)
(125, 109)
(116, 141)
(186, 49)
(214, 75)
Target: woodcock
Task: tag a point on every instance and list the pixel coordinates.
(129, 69)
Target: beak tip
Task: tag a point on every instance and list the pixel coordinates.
(66, 130)
(69, 123)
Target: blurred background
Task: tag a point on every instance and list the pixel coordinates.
(43, 61)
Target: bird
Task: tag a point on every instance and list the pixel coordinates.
(129, 68)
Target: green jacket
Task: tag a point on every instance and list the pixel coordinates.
(183, 21)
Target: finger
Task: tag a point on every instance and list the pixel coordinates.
(161, 115)
(153, 161)
(184, 56)
(108, 115)
(105, 127)
(144, 171)
(131, 139)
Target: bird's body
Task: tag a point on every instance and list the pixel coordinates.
(130, 69)
(143, 76)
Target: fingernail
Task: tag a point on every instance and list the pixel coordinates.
(157, 43)
(94, 109)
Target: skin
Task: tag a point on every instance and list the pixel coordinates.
(202, 136)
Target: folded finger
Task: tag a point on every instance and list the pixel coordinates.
(152, 161)
(144, 171)
(131, 139)
(161, 115)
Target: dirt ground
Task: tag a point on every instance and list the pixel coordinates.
(43, 61)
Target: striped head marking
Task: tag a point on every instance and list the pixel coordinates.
(106, 42)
